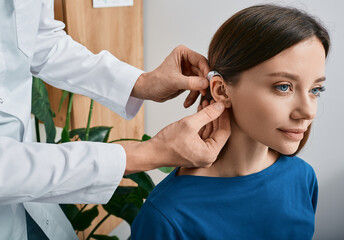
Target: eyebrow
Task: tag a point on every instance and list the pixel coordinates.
(293, 76)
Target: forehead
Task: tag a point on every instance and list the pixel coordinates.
(305, 59)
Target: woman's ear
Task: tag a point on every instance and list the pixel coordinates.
(220, 91)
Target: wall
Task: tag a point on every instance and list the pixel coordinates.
(192, 23)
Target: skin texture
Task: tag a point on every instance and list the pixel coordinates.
(258, 109)
(178, 144)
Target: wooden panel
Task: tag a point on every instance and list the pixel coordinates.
(54, 93)
(120, 31)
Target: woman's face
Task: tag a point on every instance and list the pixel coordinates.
(279, 96)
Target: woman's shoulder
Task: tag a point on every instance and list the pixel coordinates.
(298, 162)
(300, 167)
(170, 187)
(176, 191)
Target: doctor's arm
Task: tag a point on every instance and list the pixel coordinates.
(64, 63)
(77, 172)
(68, 65)
(89, 172)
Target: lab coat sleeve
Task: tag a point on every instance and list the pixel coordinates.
(68, 65)
(77, 172)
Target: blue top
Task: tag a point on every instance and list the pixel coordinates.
(278, 202)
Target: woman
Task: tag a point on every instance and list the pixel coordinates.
(269, 64)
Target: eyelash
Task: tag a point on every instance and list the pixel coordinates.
(320, 89)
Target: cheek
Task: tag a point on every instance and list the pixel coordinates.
(259, 116)
(255, 113)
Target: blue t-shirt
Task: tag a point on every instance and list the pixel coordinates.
(278, 202)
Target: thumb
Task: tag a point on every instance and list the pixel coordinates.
(192, 83)
(207, 115)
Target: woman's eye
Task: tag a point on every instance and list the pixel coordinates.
(283, 87)
(316, 91)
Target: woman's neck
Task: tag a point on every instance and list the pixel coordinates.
(240, 156)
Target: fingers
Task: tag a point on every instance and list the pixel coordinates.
(192, 63)
(193, 83)
(216, 121)
(224, 122)
(209, 126)
(203, 92)
(195, 59)
(220, 136)
(206, 115)
(200, 132)
(219, 132)
(191, 98)
(195, 72)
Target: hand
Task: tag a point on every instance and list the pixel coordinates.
(206, 131)
(179, 144)
(182, 70)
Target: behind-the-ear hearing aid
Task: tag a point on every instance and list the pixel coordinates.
(210, 75)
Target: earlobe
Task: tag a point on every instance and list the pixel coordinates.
(219, 91)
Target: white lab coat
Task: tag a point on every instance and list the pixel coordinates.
(36, 176)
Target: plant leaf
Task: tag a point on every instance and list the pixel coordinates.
(41, 108)
(104, 237)
(166, 169)
(63, 97)
(65, 136)
(96, 134)
(125, 203)
(143, 180)
(85, 218)
(145, 137)
(70, 210)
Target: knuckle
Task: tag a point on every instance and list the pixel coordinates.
(208, 166)
(208, 162)
(185, 123)
(178, 48)
(191, 83)
(207, 159)
(181, 47)
(203, 158)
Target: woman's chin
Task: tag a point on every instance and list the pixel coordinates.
(287, 150)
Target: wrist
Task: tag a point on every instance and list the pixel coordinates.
(139, 87)
(142, 156)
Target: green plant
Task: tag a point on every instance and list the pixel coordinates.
(126, 200)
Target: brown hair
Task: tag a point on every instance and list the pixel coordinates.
(256, 34)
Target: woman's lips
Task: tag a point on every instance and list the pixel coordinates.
(296, 136)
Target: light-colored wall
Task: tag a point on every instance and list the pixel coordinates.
(193, 22)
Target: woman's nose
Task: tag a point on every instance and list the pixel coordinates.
(305, 107)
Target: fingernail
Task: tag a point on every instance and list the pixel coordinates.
(219, 106)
